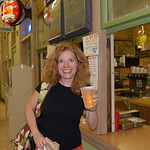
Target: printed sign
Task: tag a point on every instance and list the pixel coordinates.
(50, 49)
(93, 65)
(91, 44)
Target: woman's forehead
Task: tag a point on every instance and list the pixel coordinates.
(67, 52)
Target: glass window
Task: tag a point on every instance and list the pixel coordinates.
(26, 25)
(42, 34)
(124, 7)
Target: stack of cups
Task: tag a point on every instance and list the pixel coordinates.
(133, 69)
(137, 69)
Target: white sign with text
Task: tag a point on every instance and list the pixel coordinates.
(91, 44)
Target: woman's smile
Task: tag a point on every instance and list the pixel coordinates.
(67, 71)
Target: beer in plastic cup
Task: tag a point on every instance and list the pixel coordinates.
(87, 93)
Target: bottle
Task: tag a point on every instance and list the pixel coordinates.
(116, 120)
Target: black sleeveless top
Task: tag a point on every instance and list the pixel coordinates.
(60, 117)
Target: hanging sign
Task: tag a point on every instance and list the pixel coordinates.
(13, 12)
(91, 44)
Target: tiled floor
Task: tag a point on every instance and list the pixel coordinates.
(5, 144)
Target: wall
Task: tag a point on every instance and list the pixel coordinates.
(12, 60)
(87, 146)
(9, 54)
(0, 74)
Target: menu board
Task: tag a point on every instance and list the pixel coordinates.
(56, 27)
(69, 18)
(77, 17)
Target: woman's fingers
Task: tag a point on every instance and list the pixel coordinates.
(40, 140)
(95, 99)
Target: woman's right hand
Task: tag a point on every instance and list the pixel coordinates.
(39, 140)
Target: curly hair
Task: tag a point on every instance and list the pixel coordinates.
(82, 76)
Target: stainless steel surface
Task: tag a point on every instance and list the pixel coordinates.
(128, 114)
(137, 122)
(125, 124)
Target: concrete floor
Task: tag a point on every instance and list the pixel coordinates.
(5, 144)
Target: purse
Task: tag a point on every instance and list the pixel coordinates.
(51, 145)
(24, 138)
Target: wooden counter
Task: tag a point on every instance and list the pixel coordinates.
(133, 139)
(142, 101)
(143, 105)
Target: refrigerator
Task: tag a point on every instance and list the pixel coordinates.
(17, 94)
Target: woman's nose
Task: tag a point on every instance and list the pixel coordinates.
(66, 64)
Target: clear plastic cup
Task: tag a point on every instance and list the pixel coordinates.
(87, 93)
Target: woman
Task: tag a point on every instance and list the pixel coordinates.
(67, 71)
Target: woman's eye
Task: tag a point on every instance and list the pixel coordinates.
(71, 60)
(60, 61)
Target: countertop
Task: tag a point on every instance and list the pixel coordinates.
(132, 139)
(143, 101)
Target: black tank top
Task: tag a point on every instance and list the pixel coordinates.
(60, 117)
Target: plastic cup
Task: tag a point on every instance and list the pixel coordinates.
(87, 93)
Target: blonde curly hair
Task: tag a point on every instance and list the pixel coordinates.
(82, 76)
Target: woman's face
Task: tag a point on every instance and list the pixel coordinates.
(67, 65)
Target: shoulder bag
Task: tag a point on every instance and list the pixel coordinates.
(24, 139)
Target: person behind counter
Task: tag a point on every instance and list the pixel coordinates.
(67, 70)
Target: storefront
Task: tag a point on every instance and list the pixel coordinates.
(129, 90)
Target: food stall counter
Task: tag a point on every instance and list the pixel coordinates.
(133, 139)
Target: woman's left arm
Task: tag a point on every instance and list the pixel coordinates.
(91, 115)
